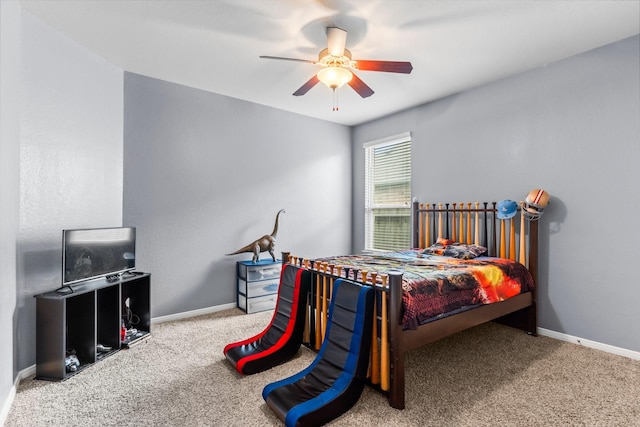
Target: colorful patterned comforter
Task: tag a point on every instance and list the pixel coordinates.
(436, 285)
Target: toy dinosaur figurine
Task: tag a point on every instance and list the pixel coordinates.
(263, 244)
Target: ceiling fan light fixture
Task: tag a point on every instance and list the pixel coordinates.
(334, 77)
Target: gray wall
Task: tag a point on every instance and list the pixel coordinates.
(572, 128)
(10, 23)
(70, 159)
(205, 174)
(196, 185)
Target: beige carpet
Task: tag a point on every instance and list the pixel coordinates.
(488, 376)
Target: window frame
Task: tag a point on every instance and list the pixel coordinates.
(369, 190)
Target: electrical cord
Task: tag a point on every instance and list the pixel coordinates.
(131, 319)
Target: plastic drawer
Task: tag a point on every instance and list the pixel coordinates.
(258, 289)
(255, 305)
(253, 272)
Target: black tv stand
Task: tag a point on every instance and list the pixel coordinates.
(77, 319)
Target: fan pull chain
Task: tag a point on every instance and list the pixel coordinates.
(335, 100)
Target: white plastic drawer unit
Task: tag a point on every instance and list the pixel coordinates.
(257, 285)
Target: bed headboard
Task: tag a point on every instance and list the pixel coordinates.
(477, 223)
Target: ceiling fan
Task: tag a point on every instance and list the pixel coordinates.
(337, 63)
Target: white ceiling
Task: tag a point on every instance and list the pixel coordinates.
(453, 45)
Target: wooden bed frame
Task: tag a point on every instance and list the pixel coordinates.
(451, 220)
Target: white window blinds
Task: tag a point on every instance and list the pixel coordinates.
(388, 193)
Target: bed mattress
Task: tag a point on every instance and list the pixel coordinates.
(435, 285)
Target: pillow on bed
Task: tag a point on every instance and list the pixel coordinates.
(447, 247)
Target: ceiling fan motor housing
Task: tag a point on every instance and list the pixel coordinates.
(326, 59)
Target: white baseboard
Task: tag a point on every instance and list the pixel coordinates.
(25, 373)
(8, 402)
(590, 344)
(192, 313)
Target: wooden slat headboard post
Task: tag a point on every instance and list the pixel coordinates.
(447, 219)
(494, 243)
(476, 223)
(485, 242)
(533, 252)
(415, 216)
(439, 221)
(453, 221)
(533, 268)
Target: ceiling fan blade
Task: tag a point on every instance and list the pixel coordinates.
(336, 41)
(288, 59)
(308, 85)
(360, 87)
(387, 66)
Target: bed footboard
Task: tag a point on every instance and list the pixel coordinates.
(386, 370)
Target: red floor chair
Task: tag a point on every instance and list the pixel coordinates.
(281, 340)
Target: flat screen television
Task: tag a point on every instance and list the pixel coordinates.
(97, 252)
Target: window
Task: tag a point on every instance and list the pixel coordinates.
(388, 193)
